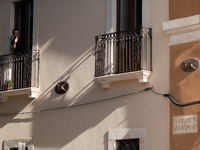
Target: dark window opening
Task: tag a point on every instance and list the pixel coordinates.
(130, 144)
(129, 14)
(18, 149)
(24, 21)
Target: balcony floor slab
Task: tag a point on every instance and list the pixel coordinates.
(107, 80)
(31, 92)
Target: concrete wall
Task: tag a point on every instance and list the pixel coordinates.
(66, 31)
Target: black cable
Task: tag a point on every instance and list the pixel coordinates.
(146, 89)
(178, 104)
(36, 111)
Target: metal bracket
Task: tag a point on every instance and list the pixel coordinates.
(62, 87)
(190, 65)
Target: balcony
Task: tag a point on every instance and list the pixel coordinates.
(123, 56)
(19, 74)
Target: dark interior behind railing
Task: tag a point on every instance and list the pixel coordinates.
(122, 52)
(17, 69)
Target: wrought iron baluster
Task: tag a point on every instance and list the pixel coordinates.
(17, 69)
(123, 51)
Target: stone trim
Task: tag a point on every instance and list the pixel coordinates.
(183, 30)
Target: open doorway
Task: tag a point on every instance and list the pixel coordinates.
(129, 14)
(24, 21)
(129, 22)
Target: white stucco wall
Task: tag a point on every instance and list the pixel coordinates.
(66, 31)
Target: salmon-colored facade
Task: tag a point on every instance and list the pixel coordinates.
(184, 86)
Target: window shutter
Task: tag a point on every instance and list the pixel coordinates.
(22, 146)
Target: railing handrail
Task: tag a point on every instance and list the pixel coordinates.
(117, 32)
(19, 52)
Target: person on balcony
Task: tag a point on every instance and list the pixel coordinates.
(14, 67)
(17, 43)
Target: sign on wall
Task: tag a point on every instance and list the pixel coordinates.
(185, 124)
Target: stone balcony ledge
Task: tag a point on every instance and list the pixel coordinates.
(107, 80)
(31, 92)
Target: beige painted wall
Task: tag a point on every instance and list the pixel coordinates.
(66, 40)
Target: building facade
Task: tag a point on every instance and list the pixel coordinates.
(93, 75)
(182, 29)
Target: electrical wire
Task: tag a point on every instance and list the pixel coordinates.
(176, 103)
(64, 107)
(155, 92)
(107, 99)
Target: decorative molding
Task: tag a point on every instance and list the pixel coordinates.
(181, 25)
(184, 38)
(31, 92)
(183, 30)
(106, 81)
(127, 133)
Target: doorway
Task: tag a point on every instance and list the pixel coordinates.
(24, 21)
(129, 22)
(129, 14)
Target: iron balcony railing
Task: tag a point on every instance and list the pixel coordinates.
(122, 52)
(19, 70)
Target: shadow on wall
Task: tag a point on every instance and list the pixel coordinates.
(56, 128)
(17, 104)
(66, 76)
(12, 106)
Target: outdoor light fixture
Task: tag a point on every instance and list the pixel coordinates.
(62, 87)
(190, 64)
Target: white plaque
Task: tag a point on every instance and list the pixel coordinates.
(185, 124)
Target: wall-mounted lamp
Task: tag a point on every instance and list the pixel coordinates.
(62, 87)
(190, 64)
